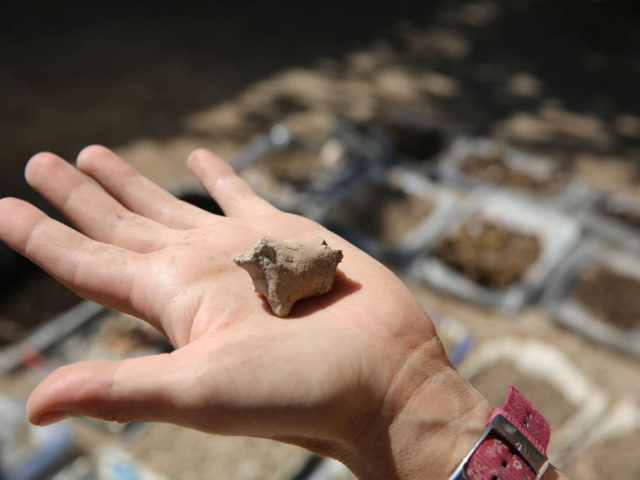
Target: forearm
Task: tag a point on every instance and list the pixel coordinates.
(430, 419)
(438, 427)
(433, 429)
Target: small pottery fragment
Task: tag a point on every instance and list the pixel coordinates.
(287, 272)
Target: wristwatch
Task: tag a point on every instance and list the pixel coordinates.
(512, 447)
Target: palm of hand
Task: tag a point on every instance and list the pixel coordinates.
(237, 368)
(302, 364)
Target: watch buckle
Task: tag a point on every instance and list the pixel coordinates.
(515, 439)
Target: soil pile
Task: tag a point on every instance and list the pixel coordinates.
(385, 213)
(611, 459)
(611, 296)
(494, 382)
(294, 165)
(621, 213)
(494, 169)
(489, 253)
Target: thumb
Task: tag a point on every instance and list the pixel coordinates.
(136, 389)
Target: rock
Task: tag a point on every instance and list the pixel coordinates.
(287, 272)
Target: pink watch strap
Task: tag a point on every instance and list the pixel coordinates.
(512, 449)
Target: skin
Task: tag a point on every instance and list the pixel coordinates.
(358, 374)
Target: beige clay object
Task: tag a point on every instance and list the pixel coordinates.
(287, 272)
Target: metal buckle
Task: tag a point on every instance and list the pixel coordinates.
(514, 438)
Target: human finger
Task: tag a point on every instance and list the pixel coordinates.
(150, 388)
(174, 388)
(136, 192)
(164, 388)
(232, 193)
(97, 271)
(88, 207)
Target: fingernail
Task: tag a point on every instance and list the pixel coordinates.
(51, 417)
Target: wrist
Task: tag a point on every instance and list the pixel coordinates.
(432, 418)
(438, 427)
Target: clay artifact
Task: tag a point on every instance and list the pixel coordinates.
(287, 272)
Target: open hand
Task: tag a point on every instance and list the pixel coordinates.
(335, 376)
